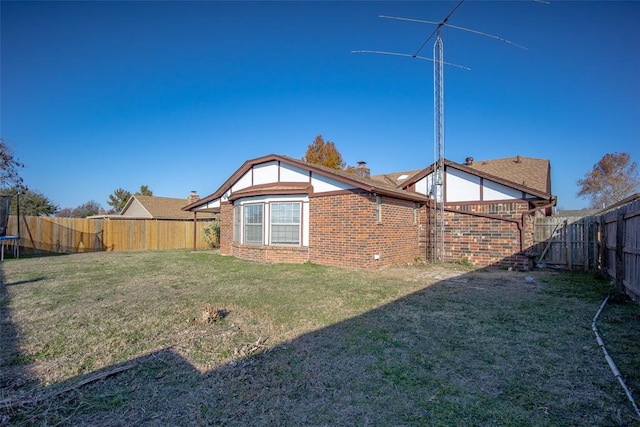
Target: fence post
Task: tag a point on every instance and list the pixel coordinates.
(593, 243)
(602, 241)
(569, 244)
(620, 251)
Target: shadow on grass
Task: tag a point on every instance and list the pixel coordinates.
(20, 282)
(468, 350)
(13, 372)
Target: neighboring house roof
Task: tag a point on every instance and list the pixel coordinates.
(575, 212)
(526, 171)
(395, 178)
(351, 178)
(153, 207)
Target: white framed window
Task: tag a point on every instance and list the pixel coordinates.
(378, 208)
(237, 222)
(285, 223)
(253, 223)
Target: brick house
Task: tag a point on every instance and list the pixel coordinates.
(279, 209)
(489, 207)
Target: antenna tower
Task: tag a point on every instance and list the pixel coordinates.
(438, 145)
(438, 178)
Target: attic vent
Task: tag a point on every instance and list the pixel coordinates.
(403, 177)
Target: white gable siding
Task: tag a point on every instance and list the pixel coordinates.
(290, 173)
(322, 184)
(495, 191)
(465, 187)
(244, 182)
(462, 186)
(424, 185)
(212, 204)
(265, 173)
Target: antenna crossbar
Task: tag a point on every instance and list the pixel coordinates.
(440, 24)
(380, 52)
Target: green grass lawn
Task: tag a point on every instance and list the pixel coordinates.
(306, 345)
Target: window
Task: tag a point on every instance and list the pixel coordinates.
(378, 208)
(285, 223)
(237, 221)
(253, 224)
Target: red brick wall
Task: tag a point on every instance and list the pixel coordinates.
(474, 233)
(226, 228)
(290, 254)
(344, 231)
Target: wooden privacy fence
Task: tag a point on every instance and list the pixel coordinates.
(609, 242)
(566, 242)
(64, 235)
(620, 249)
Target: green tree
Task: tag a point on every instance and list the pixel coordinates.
(612, 179)
(324, 153)
(31, 203)
(118, 199)
(144, 191)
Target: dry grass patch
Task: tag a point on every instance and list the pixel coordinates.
(214, 340)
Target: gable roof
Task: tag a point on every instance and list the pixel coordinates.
(363, 183)
(527, 171)
(528, 175)
(158, 207)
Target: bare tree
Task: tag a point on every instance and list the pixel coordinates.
(612, 179)
(9, 166)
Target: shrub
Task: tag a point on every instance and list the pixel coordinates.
(211, 234)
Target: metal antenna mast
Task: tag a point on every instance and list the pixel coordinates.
(438, 178)
(438, 131)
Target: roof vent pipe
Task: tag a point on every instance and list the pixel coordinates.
(468, 161)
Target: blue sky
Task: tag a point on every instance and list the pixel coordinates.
(177, 95)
